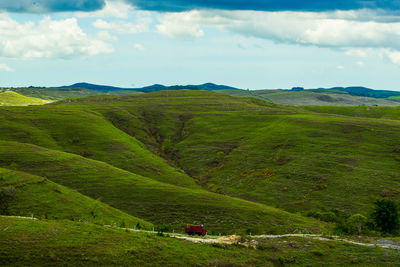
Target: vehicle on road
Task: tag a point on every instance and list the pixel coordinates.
(195, 229)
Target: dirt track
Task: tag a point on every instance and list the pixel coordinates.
(386, 244)
(233, 239)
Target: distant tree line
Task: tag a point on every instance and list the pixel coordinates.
(384, 218)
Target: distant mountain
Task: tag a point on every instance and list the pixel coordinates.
(363, 91)
(95, 87)
(147, 89)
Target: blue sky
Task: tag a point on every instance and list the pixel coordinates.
(248, 44)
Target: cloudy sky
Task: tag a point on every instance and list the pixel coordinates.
(252, 44)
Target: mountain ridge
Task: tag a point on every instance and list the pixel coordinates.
(147, 89)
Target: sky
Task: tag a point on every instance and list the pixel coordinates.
(255, 44)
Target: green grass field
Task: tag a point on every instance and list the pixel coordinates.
(169, 158)
(37, 243)
(156, 202)
(322, 97)
(10, 98)
(290, 158)
(28, 195)
(55, 94)
(299, 160)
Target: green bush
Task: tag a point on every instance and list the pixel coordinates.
(386, 216)
(6, 195)
(356, 223)
(326, 216)
(164, 228)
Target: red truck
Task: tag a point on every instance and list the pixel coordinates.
(195, 229)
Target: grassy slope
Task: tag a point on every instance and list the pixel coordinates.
(280, 156)
(396, 98)
(28, 195)
(88, 134)
(60, 94)
(38, 243)
(153, 201)
(300, 162)
(313, 97)
(392, 113)
(10, 98)
(286, 157)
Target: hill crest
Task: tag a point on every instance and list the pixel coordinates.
(146, 89)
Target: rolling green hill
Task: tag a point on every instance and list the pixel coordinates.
(10, 98)
(392, 113)
(63, 93)
(37, 243)
(88, 134)
(23, 194)
(169, 158)
(321, 97)
(175, 157)
(337, 96)
(281, 156)
(156, 202)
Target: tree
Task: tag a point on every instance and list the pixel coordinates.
(386, 215)
(356, 222)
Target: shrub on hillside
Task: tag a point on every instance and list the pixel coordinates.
(356, 223)
(6, 195)
(164, 228)
(386, 216)
(326, 216)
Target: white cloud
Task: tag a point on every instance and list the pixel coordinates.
(139, 47)
(349, 30)
(122, 27)
(106, 36)
(359, 52)
(47, 39)
(392, 55)
(112, 9)
(339, 67)
(5, 67)
(184, 26)
(307, 28)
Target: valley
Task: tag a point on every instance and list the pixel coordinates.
(169, 158)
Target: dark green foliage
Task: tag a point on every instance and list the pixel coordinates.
(327, 216)
(356, 223)
(164, 228)
(386, 216)
(160, 233)
(6, 195)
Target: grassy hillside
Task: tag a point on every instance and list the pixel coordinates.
(153, 201)
(392, 113)
(176, 157)
(298, 162)
(37, 243)
(289, 158)
(314, 98)
(337, 96)
(88, 134)
(396, 98)
(169, 158)
(26, 195)
(64, 93)
(10, 98)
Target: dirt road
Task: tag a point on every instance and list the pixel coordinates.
(252, 241)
